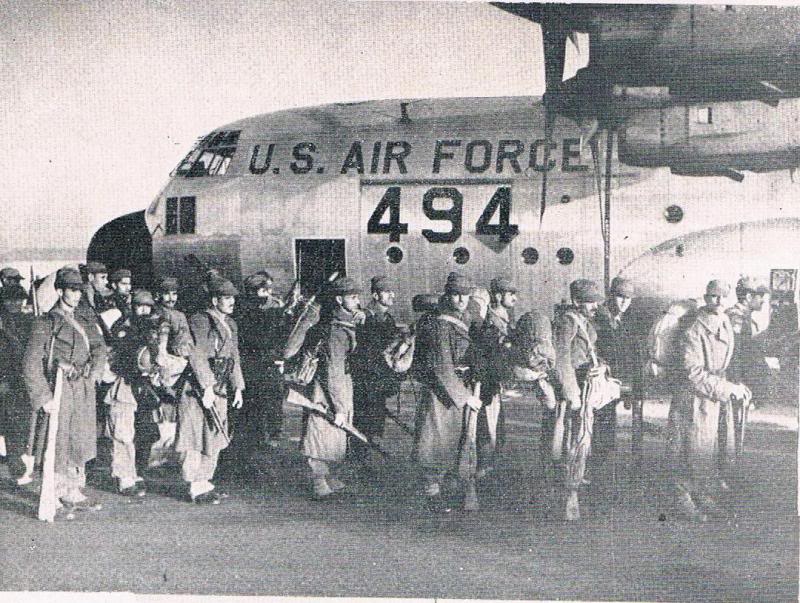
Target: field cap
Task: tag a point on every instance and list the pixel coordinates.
(718, 288)
(68, 278)
(120, 274)
(457, 284)
(502, 285)
(584, 291)
(168, 283)
(219, 287)
(622, 287)
(379, 284)
(96, 268)
(142, 297)
(10, 273)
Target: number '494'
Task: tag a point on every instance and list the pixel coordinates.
(500, 202)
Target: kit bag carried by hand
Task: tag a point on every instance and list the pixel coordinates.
(400, 353)
(599, 388)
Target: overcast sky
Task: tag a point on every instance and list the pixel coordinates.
(99, 100)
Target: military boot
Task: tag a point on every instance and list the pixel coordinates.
(471, 496)
(321, 488)
(686, 508)
(572, 511)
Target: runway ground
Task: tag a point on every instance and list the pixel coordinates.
(379, 540)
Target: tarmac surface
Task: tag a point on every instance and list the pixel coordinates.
(378, 539)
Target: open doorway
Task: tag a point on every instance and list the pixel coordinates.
(316, 259)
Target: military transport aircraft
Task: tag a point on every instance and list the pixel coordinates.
(414, 189)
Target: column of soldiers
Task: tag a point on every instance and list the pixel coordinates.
(153, 366)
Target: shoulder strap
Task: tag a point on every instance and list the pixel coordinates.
(75, 325)
(221, 330)
(580, 321)
(453, 320)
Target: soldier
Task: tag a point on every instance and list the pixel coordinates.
(574, 338)
(216, 375)
(131, 392)
(334, 340)
(705, 351)
(15, 328)
(272, 333)
(493, 339)
(374, 381)
(533, 359)
(747, 364)
(175, 347)
(60, 339)
(96, 293)
(121, 291)
(443, 361)
(264, 381)
(10, 276)
(616, 344)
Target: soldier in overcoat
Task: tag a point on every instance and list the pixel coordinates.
(747, 364)
(374, 381)
(215, 375)
(131, 398)
(493, 345)
(705, 349)
(260, 318)
(171, 357)
(575, 339)
(334, 340)
(444, 359)
(616, 344)
(60, 338)
(15, 329)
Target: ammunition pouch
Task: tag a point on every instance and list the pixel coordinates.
(73, 372)
(222, 369)
(301, 371)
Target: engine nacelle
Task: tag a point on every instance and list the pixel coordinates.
(715, 138)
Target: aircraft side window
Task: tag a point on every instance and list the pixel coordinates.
(461, 255)
(673, 214)
(530, 255)
(181, 217)
(565, 255)
(394, 255)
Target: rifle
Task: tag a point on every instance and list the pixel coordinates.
(295, 339)
(217, 421)
(399, 423)
(468, 456)
(296, 398)
(47, 497)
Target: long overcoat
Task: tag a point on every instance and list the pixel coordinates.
(443, 346)
(56, 340)
(332, 387)
(574, 337)
(706, 349)
(215, 337)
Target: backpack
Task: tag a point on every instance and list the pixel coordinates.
(664, 337)
(400, 352)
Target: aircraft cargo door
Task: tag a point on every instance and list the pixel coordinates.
(316, 259)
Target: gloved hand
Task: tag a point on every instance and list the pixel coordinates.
(49, 407)
(208, 397)
(741, 393)
(474, 403)
(597, 371)
(340, 419)
(237, 399)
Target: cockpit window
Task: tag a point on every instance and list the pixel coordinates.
(211, 156)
